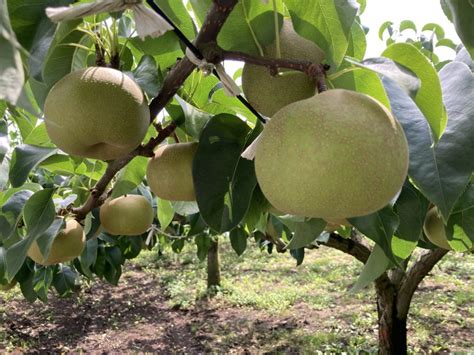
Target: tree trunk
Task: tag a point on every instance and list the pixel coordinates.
(213, 265)
(392, 328)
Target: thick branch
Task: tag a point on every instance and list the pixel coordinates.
(354, 246)
(415, 275)
(173, 81)
(315, 71)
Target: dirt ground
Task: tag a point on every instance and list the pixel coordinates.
(139, 315)
(133, 316)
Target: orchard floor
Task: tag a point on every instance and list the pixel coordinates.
(266, 304)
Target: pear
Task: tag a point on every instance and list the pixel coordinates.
(339, 154)
(97, 112)
(268, 93)
(170, 172)
(67, 245)
(126, 215)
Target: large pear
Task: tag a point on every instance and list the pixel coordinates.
(434, 229)
(96, 113)
(126, 215)
(268, 93)
(336, 155)
(67, 245)
(170, 172)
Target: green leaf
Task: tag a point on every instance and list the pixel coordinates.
(59, 60)
(364, 81)
(223, 181)
(462, 12)
(411, 208)
(252, 20)
(46, 239)
(194, 119)
(387, 68)
(24, 159)
(380, 227)
(130, 177)
(375, 266)
(446, 42)
(146, 75)
(305, 232)
(10, 213)
(434, 27)
(298, 255)
(357, 42)
(165, 49)
(429, 96)
(178, 13)
(11, 67)
(39, 137)
(238, 240)
(59, 164)
(38, 214)
(406, 25)
(203, 242)
(327, 23)
(89, 256)
(383, 27)
(42, 281)
(4, 143)
(165, 213)
(442, 171)
(64, 280)
(460, 230)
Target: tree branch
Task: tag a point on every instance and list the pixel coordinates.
(316, 72)
(214, 21)
(423, 265)
(354, 246)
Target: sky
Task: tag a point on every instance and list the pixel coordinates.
(420, 12)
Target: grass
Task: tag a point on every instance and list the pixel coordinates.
(273, 286)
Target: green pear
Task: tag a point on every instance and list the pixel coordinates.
(67, 245)
(97, 112)
(268, 93)
(339, 154)
(170, 172)
(126, 215)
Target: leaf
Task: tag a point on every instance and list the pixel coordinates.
(238, 240)
(380, 227)
(460, 230)
(46, 239)
(305, 232)
(364, 81)
(462, 15)
(429, 96)
(408, 25)
(442, 171)
(298, 255)
(375, 266)
(203, 242)
(146, 75)
(383, 27)
(11, 213)
(64, 280)
(165, 213)
(24, 159)
(388, 68)
(326, 23)
(165, 49)
(89, 256)
(434, 27)
(411, 208)
(4, 144)
(38, 214)
(250, 19)
(41, 281)
(194, 119)
(60, 164)
(58, 62)
(179, 15)
(357, 42)
(223, 181)
(130, 177)
(11, 67)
